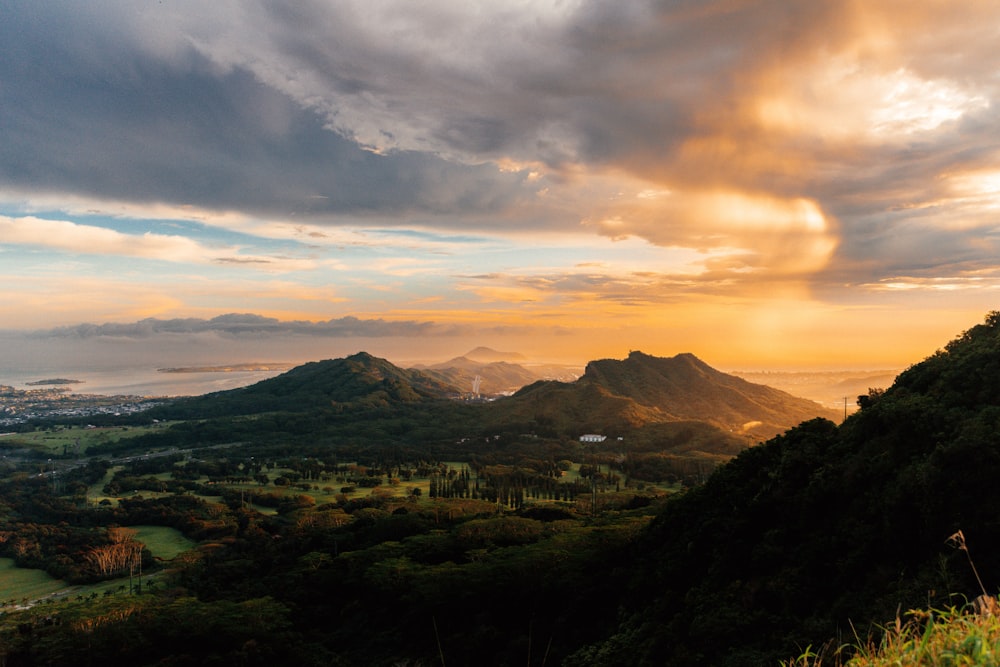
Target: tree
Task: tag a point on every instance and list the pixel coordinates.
(122, 553)
(873, 396)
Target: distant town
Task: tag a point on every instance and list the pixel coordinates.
(18, 406)
(229, 368)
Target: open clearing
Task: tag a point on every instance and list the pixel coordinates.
(63, 440)
(163, 542)
(18, 583)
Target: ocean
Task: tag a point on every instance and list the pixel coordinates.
(134, 380)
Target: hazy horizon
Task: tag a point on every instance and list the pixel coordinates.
(122, 365)
(762, 184)
(205, 345)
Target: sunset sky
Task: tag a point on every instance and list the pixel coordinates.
(764, 184)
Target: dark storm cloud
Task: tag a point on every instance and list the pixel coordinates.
(86, 113)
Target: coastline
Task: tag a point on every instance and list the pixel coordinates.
(135, 380)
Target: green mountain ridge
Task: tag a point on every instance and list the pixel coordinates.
(589, 405)
(643, 389)
(685, 387)
(358, 381)
(614, 396)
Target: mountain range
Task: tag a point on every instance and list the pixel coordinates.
(613, 397)
(499, 373)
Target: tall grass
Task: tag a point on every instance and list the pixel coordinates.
(950, 637)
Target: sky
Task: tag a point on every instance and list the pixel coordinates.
(765, 184)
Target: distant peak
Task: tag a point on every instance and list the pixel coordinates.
(487, 354)
(691, 359)
(364, 358)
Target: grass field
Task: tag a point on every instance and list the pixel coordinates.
(20, 584)
(95, 493)
(63, 439)
(163, 542)
(17, 583)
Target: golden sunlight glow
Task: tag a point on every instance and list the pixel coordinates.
(758, 213)
(86, 299)
(909, 104)
(652, 193)
(505, 294)
(776, 236)
(844, 99)
(983, 186)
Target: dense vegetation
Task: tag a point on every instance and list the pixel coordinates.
(804, 540)
(824, 527)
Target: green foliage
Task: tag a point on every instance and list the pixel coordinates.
(358, 382)
(147, 630)
(949, 637)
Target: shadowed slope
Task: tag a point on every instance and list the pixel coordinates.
(643, 389)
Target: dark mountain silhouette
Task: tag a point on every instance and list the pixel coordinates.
(643, 389)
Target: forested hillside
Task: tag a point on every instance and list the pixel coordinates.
(673, 417)
(358, 381)
(824, 528)
(685, 387)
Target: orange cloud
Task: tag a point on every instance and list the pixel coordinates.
(765, 235)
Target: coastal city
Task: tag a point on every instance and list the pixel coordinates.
(18, 406)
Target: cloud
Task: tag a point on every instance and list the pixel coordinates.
(142, 115)
(816, 144)
(68, 236)
(247, 325)
(770, 236)
(80, 239)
